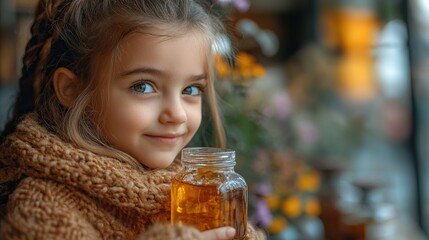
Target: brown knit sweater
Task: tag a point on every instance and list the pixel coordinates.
(57, 191)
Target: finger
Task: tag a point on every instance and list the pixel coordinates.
(222, 233)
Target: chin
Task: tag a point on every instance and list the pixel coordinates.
(157, 162)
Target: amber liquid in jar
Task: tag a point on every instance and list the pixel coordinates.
(207, 197)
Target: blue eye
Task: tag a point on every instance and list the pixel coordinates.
(143, 87)
(192, 90)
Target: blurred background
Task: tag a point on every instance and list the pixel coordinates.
(326, 104)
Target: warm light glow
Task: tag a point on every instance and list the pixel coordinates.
(356, 77)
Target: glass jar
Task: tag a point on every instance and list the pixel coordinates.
(330, 197)
(208, 193)
(373, 218)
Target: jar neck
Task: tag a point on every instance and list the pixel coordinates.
(200, 166)
(206, 157)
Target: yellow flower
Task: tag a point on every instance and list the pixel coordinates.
(277, 225)
(222, 67)
(309, 181)
(258, 71)
(273, 202)
(245, 72)
(312, 207)
(292, 206)
(244, 60)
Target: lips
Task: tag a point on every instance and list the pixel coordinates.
(165, 139)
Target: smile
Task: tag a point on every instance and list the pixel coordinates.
(164, 139)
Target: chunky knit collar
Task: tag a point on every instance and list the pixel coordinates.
(33, 151)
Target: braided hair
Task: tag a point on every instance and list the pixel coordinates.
(84, 36)
(35, 54)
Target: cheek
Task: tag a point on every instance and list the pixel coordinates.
(124, 119)
(194, 119)
(130, 116)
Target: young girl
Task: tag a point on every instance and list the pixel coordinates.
(110, 92)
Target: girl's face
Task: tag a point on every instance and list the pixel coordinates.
(154, 106)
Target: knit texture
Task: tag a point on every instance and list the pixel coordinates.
(57, 191)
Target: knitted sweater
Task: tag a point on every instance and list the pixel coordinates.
(55, 190)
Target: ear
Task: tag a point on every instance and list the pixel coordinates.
(66, 85)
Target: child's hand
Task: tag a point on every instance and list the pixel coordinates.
(221, 233)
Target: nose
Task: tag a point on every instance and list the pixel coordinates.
(173, 111)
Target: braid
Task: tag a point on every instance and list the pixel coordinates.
(36, 52)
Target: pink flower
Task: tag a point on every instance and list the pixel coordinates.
(282, 105)
(241, 5)
(307, 132)
(262, 216)
(279, 106)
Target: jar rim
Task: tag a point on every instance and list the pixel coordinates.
(209, 155)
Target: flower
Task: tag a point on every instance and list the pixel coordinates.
(307, 131)
(312, 207)
(309, 181)
(277, 225)
(291, 206)
(241, 5)
(272, 133)
(291, 194)
(243, 72)
(262, 216)
(273, 202)
(223, 69)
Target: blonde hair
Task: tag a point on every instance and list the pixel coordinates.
(84, 36)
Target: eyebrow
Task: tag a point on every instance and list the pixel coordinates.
(158, 72)
(141, 70)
